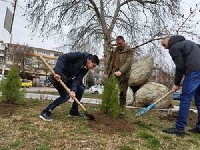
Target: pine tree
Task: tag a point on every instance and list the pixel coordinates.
(110, 98)
(11, 87)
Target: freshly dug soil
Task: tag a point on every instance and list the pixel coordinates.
(109, 125)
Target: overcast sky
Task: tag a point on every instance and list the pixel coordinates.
(22, 35)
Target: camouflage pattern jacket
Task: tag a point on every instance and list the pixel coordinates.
(126, 58)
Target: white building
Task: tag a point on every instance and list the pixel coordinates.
(28, 65)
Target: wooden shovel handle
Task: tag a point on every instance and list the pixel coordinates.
(160, 99)
(44, 56)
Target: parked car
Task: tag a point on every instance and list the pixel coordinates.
(176, 95)
(96, 89)
(26, 83)
(40, 83)
(44, 83)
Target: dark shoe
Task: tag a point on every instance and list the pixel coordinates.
(75, 114)
(46, 116)
(122, 113)
(174, 131)
(195, 130)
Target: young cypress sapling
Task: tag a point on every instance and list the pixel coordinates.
(110, 98)
(11, 87)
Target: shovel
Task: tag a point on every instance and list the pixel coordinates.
(89, 116)
(151, 106)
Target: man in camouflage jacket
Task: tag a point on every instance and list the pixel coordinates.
(119, 63)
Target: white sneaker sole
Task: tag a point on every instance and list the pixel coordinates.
(44, 118)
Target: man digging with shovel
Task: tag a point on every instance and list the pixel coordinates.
(70, 68)
(186, 56)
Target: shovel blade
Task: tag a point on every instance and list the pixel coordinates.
(140, 112)
(144, 110)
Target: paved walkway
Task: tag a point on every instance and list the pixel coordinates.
(34, 93)
(53, 97)
(40, 89)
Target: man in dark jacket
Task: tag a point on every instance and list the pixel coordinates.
(70, 68)
(186, 56)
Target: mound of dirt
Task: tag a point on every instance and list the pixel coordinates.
(108, 125)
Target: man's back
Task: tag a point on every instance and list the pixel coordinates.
(186, 55)
(71, 63)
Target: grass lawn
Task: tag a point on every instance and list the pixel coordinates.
(22, 129)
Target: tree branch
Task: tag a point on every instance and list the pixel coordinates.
(189, 16)
(149, 41)
(139, 1)
(95, 9)
(112, 24)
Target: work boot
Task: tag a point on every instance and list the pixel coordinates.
(74, 113)
(46, 115)
(194, 130)
(174, 131)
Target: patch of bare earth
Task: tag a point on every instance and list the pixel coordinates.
(192, 118)
(7, 109)
(109, 125)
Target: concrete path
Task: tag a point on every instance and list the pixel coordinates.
(53, 97)
(34, 93)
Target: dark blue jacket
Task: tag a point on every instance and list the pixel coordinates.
(71, 68)
(186, 56)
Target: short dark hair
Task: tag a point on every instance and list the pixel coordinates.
(94, 59)
(120, 37)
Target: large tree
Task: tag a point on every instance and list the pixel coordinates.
(93, 23)
(18, 54)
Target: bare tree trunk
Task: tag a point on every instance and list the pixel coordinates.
(107, 45)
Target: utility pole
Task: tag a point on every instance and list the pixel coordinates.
(7, 47)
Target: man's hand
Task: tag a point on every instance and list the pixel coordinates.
(72, 94)
(57, 77)
(175, 88)
(117, 73)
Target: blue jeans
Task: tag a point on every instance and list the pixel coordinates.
(64, 96)
(190, 89)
